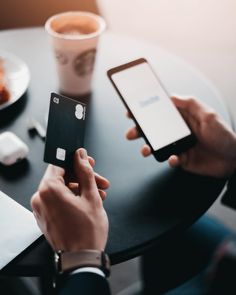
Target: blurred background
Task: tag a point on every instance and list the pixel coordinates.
(203, 33)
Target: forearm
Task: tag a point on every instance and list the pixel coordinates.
(229, 198)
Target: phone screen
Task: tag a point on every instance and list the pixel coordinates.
(152, 108)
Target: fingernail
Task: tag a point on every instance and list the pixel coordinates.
(83, 154)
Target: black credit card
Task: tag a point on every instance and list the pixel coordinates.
(65, 130)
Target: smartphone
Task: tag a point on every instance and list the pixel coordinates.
(153, 111)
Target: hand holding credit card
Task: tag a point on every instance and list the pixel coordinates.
(65, 130)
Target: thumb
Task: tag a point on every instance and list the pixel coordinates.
(191, 110)
(174, 161)
(84, 174)
(190, 106)
(178, 160)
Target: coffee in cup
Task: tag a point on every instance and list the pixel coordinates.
(74, 37)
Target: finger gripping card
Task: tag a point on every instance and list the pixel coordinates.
(65, 130)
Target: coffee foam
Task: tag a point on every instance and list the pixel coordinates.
(74, 25)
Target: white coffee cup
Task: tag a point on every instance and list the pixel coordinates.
(74, 37)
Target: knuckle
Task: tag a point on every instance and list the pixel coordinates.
(48, 187)
(60, 178)
(98, 204)
(87, 170)
(210, 117)
(192, 101)
(35, 202)
(94, 200)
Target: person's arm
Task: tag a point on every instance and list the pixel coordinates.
(229, 197)
(215, 151)
(74, 221)
(85, 283)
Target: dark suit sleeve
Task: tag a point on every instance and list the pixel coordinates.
(85, 283)
(229, 198)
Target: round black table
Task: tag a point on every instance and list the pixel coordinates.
(147, 201)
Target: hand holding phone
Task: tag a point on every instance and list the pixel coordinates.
(155, 115)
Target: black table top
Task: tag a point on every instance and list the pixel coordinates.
(147, 201)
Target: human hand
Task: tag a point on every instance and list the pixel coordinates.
(215, 151)
(69, 221)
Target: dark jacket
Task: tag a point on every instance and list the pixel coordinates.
(85, 283)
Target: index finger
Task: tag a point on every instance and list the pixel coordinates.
(193, 107)
(85, 174)
(133, 133)
(70, 175)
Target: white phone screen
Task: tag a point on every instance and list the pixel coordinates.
(154, 111)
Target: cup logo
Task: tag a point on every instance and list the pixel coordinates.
(61, 57)
(79, 112)
(84, 62)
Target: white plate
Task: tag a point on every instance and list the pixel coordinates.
(17, 77)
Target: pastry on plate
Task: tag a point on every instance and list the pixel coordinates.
(4, 92)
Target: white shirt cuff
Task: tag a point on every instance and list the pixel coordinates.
(88, 269)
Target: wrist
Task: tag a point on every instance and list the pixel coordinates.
(78, 244)
(77, 248)
(67, 262)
